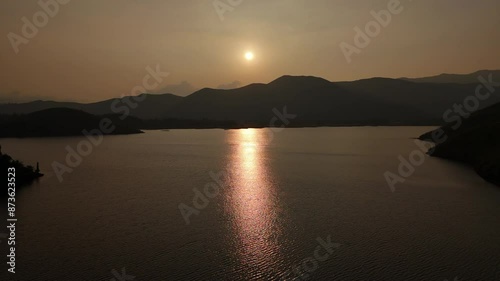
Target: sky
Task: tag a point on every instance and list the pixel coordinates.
(99, 49)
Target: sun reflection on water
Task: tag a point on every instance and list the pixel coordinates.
(253, 204)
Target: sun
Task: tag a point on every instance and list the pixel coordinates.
(249, 56)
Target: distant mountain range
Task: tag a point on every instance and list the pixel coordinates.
(154, 106)
(315, 101)
(56, 122)
(455, 78)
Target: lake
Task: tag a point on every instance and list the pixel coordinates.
(290, 205)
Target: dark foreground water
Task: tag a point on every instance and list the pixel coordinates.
(280, 200)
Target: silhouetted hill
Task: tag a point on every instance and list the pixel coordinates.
(314, 101)
(425, 100)
(457, 78)
(148, 107)
(30, 107)
(299, 82)
(55, 122)
(152, 106)
(377, 101)
(475, 142)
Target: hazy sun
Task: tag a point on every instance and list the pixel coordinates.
(249, 56)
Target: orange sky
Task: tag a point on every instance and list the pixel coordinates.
(97, 49)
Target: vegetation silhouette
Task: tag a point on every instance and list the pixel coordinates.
(23, 174)
(476, 142)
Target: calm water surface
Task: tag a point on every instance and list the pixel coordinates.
(278, 194)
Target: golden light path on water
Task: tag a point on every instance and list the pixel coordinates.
(254, 205)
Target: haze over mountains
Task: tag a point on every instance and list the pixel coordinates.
(315, 101)
(455, 78)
